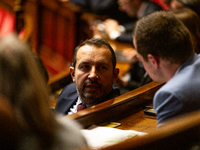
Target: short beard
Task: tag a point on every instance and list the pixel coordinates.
(91, 100)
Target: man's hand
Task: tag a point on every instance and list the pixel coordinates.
(110, 25)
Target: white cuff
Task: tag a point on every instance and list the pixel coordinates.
(121, 28)
(113, 35)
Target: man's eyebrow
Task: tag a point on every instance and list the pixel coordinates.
(103, 63)
(82, 63)
(97, 63)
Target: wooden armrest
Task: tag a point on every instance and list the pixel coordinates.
(117, 108)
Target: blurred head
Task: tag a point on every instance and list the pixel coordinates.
(163, 36)
(192, 21)
(93, 70)
(192, 4)
(130, 7)
(23, 85)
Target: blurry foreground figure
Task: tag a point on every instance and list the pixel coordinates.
(23, 85)
(9, 133)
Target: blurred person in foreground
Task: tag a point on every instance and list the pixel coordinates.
(23, 85)
(165, 48)
(93, 72)
(8, 126)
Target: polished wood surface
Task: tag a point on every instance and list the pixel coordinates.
(118, 108)
(139, 122)
(179, 133)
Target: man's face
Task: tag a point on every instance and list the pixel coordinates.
(130, 7)
(93, 73)
(148, 66)
(176, 5)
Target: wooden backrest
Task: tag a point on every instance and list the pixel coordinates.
(117, 108)
(53, 28)
(179, 133)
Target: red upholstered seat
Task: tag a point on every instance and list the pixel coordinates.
(7, 22)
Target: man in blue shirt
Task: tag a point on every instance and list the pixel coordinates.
(164, 46)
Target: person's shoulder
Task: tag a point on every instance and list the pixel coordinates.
(155, 5)
(69, 88)
(68, 91)
(115, 91)
(69, 127)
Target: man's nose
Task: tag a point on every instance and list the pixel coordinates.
(93, 74)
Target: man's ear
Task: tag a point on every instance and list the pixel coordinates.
(72, 72)
(154, 60)
(115, 74)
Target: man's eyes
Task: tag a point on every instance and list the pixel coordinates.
(102, 67)
(83, 67)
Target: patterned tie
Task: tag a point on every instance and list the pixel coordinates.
(81, 107)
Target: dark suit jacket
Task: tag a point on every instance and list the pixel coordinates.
(127, 36)
(69, 96)
(109, 8)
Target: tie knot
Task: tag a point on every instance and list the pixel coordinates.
(81, 107)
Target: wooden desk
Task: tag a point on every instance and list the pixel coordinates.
(125, 109)
(180, 133)
(139, 122)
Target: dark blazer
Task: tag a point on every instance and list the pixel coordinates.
(127, 36)
(109, 8)
(69, 96)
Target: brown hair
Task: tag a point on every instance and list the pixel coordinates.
(192, 4)
(163, 35)
(192, 21)
(98, 42)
